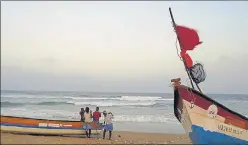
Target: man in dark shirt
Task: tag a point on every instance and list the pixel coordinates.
(96, 115)
(82, 114)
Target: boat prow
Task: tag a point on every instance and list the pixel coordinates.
(207, 121)
(44, 126)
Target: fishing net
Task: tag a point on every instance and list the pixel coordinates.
(197, 73)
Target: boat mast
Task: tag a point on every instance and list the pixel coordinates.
(174, 26)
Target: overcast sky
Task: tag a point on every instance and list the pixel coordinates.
(124, 46)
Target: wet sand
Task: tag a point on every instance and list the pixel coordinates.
(118, 137)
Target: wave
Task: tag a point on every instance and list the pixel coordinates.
(109, 104)
(89, 98)
(120, 98)
(144, 98)
(51, 103)
(124, 98)
(237, 101)
(144, 118)
(67, 115)
(10, 104)
(29, 96)
(13, 104)
(93, 103)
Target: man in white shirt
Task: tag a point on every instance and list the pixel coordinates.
(108, 124)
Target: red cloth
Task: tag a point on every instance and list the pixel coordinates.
(187, 58)
(96, 116)
(188, 37)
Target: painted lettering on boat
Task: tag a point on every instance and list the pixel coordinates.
(53, 125)
(226, 128)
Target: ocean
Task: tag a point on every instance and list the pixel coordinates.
(138, 112)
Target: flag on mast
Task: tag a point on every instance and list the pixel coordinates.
(189, 39)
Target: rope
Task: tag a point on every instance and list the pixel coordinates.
(190, 93)
(184, 62)
(178, 51)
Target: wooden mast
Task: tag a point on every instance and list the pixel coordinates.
(186, 69)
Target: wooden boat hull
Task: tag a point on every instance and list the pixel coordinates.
(206, 121)
(45, 127)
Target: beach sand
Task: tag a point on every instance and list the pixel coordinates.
(118, 137)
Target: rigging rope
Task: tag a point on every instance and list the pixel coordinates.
(178, 51)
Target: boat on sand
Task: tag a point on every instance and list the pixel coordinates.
(45, 126)
(205, 120)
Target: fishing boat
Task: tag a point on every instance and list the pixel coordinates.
(45, 127)
(205, 120)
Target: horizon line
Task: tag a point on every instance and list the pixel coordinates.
(111, 92)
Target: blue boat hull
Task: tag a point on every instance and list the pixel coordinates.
(201, 136)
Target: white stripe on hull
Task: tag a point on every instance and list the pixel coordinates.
(44, 131)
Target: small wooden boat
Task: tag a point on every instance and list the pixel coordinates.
(45, 126)
(205, 120)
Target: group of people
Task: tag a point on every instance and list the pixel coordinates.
(87, 117)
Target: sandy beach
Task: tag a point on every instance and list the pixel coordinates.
(119, 137)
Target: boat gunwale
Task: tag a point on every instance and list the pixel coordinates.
(214, 102)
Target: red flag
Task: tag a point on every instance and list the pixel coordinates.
(187, 59)
(188, 37)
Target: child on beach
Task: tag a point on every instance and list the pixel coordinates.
(96, 115)
(108, 124)
(88, 120)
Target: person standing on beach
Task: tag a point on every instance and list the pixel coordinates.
(82, 114)
(103, 118)
(96, 115)
(88, 120)
(108, 125)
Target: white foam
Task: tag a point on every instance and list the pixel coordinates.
(86, 98)
(98, 103)
(143, 118)
(142, 98)
(122, 98)
(68, 115)
(42, 113)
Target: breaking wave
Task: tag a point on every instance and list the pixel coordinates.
(12, 104)
(21, 100)
(67, 115)
(93, 103)
(121, 98)
(108, 104)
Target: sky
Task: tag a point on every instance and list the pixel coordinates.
(122, 46)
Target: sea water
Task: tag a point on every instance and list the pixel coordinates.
(137, 112)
